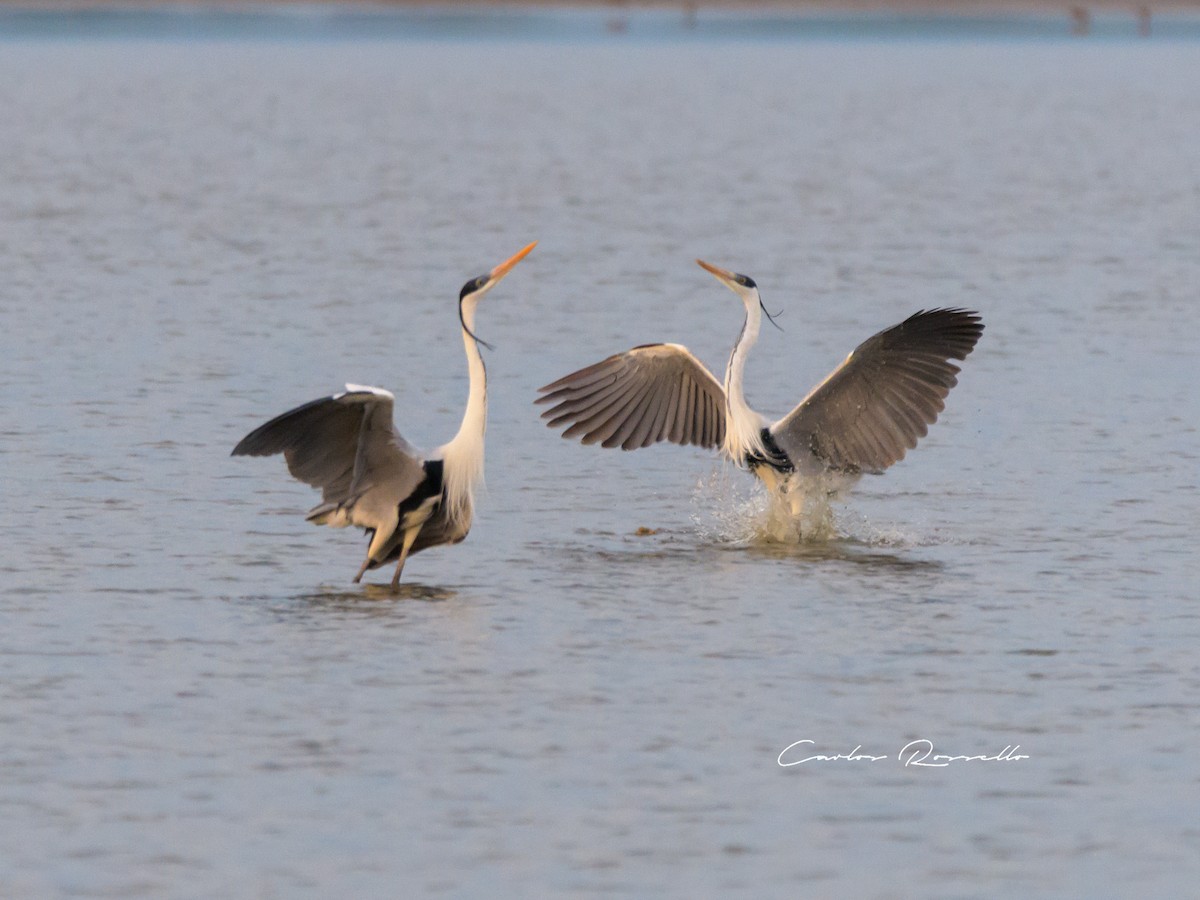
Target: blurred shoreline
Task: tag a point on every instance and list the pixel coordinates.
(948, 8)
(1019, 18)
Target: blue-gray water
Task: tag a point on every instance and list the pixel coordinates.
(195, 236)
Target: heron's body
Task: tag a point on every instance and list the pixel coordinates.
(370, 476)
(861, 419)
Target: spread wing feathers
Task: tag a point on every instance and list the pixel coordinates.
(344, 444)
(875, 406)
(652, 393)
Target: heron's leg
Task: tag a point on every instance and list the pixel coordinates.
(362, 569)
(410, 537)
(794, 492)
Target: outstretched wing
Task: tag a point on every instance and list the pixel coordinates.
(652, 393)
(875, 406)
(342, 444)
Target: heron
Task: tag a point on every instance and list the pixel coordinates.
(861, 418)
(369, 475)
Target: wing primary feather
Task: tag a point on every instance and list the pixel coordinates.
(689, 411)
(583, 407)
(651, 393)
(658, 425)
(613, 417)
(581, 378)
(602, 414)
(705, 429)
(672, 427)
(640, 437)
(631, 418)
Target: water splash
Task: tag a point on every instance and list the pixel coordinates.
(730, 508)
(860, 529)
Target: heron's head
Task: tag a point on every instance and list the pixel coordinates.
(473, 291)
(742, 285)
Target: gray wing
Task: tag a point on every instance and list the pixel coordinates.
(875, 406)
(655, 392)
(344, 444)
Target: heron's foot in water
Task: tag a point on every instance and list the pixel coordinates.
(396, 578)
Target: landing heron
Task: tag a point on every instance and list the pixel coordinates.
(861, 419)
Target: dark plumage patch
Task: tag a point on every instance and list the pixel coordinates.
(431, 486)
(775, 457)
(472, 286)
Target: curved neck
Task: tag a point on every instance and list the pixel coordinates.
(464, 453)
(743, 426)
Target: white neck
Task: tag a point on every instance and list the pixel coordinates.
(463, 456)
(743, 426)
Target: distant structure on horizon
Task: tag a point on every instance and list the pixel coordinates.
(1079, 15)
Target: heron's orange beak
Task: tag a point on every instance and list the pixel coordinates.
(505, 267)
(723, 275)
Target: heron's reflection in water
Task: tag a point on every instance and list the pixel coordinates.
(366, 600)
(845, 550)
(382, 592)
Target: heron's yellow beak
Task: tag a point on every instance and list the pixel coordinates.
(729, 279)
(505, 267)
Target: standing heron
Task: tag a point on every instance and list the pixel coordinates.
(861, 418)
(369, 475)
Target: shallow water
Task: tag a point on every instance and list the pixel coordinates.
(196, 701)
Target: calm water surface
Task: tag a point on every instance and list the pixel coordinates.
(196, 701)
